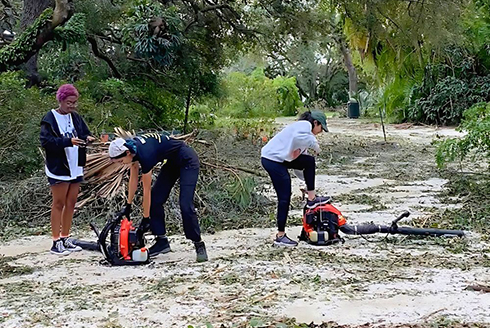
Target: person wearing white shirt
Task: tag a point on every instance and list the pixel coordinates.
(287, 150)
(63, 136)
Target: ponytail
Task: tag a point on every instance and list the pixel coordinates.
(306, 116)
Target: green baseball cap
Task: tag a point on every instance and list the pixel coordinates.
(320, 117)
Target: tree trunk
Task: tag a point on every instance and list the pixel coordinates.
(23, 48)
(351, 69)
(312, 87)
(301, 92)
(32, 10)
(188, 104)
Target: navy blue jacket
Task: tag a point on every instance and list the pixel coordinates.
(54, 143)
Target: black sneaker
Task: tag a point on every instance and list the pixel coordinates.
(202, 255)
(161, 246)
(284, 240)
(70, 246)
(319, 200)
(58, 248)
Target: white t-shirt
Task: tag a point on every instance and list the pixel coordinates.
(67, 129)
(294, 136)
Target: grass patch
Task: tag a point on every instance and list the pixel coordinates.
(473, 193)
(363, 199)
(441, 322)
(8, 270)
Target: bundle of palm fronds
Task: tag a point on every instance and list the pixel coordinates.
(103, 178)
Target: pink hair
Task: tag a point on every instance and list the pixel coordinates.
(65, 91)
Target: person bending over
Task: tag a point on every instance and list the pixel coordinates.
(286, 150)
(180, 162)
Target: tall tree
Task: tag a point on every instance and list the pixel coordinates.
(301, 39)
(32, 10)
(343, 45)
(35, 36)
(402, 29)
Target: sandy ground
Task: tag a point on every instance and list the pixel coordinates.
(249, 282)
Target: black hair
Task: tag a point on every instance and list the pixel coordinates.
(121, 155)
(306, 116)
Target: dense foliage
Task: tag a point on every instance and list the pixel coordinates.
(149, 64)
(21, 111)
(255, 95)
(475, 144)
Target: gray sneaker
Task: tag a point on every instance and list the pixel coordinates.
(285, 241)
(58, 248)
(319, 200)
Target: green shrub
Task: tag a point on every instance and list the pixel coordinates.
(449, 98)
(201, 116)
(132, 104)
(475, 144)
(255, 95)
(21, 111)
(287, 95)
(257, 130)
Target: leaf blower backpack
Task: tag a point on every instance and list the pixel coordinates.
(127, 246)
(321, 225)
(119, 242)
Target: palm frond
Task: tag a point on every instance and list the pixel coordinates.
(121, 133)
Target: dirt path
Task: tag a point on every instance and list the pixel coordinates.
(249, 282)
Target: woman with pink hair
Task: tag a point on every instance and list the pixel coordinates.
(64, 136)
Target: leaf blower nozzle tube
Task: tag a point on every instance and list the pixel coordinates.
(363, 229)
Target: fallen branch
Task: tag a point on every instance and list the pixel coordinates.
(425, 317)
(229, 167)
(478, 288)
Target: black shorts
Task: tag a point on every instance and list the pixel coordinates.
(53, 182)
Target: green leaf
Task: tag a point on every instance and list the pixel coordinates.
(255, 322)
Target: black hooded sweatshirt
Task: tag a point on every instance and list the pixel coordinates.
(54, 143)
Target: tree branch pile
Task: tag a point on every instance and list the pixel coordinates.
(227, 193)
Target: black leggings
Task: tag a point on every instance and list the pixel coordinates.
(185, 167)
(281, 181)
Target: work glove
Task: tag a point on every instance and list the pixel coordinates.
(126, 210)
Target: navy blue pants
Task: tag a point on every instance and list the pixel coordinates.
(281, 180)
(185, 167)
